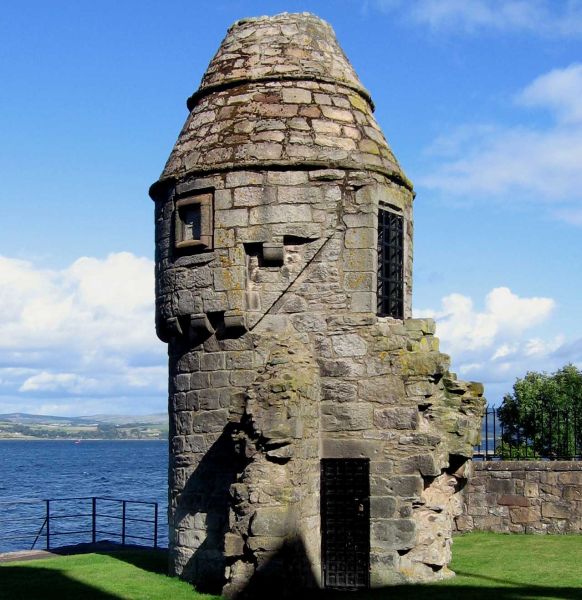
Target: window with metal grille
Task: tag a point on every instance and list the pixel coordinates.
(390, 264)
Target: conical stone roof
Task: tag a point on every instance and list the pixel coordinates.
(293, 46)
(280, 92)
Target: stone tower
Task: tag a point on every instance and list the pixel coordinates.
(317, 436)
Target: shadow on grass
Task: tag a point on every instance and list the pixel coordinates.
(47, 583)
(492, 589)
(36, 583)
(469, 592)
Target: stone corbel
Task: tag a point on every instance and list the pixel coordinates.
(167, 329)
(235, 322)
(274, 253)
(200, 326)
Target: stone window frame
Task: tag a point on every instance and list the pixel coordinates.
(205, 200)
(382, 297)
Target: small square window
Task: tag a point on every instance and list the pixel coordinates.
(194, 222)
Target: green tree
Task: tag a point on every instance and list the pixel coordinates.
(543, 415)
(108, 431)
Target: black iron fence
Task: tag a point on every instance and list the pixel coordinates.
(57, 522)
(543, 434)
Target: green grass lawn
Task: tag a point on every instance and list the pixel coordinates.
(127, 575)
(488, 566)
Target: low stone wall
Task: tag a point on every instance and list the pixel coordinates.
(523, 497)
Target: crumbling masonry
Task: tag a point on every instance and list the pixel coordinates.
(317, 436)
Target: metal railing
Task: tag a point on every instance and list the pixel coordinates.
(86, 519)
(544, 434)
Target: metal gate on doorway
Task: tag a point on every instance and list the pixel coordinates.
(345, 522)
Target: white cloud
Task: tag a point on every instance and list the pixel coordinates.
(534, 165)
(85, 332)
(505, 314)
(542, 17)
(503, 351)
(59, 382)
(544, 165)
(559, 90)
(495, 344)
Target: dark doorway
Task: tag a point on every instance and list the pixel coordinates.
(345, 522)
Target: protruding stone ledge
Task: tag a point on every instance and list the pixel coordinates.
(233, 83)
(159, 190)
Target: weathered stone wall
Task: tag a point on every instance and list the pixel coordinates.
(277, 357)
(400, 407)
(523, 497)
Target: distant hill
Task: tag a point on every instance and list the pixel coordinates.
(26, 418)
(27, 426)
(157, 418)
(116, 419)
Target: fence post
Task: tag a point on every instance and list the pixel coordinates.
(551, 434)
(123, 522)
(495, 416)
(156, 525)
(48, 524)
(486, 433)
(94, 521)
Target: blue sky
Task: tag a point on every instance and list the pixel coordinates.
(481, 101)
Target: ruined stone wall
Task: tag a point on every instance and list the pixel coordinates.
(400, 407)
(277, 357)
(523, 497)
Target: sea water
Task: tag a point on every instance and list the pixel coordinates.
(34, 471)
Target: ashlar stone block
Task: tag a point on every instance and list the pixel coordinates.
(396, 418)
(270, 521)
(279, 214)
(393, 534)
(346, 417)
(296, 96)
(349, 344)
